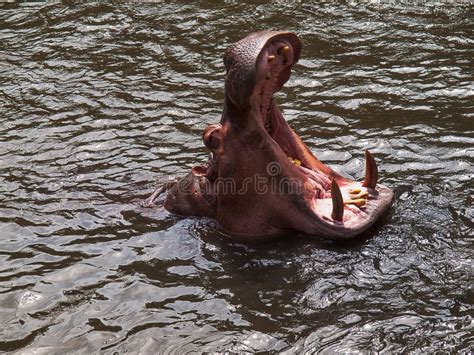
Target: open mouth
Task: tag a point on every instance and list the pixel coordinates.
(252, 134)
(335, 199)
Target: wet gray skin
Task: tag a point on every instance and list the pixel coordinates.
(100, 104)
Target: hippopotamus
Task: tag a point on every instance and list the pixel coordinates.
(261, 180)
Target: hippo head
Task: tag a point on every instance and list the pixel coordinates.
(261, 180)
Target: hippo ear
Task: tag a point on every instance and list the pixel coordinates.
(212, 136)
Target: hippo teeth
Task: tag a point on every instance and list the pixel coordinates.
(371, 171)
(268, 126)
(337, 202)
(266, 96)
(268, 123)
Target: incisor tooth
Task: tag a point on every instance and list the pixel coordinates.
(359, 202)
(363, 194)
(355, 191)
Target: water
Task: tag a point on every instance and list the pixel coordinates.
(101, 103)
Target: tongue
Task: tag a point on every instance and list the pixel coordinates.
(321, 182)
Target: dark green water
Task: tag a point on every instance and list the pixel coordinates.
(100, 103)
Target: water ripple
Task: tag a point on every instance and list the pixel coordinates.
(100, 103)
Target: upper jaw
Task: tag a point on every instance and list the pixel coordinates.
(246, 61)
(272, 72)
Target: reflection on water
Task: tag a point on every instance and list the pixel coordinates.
(99, 103)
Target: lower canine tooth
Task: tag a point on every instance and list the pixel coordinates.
(337, 203)
(371, 172)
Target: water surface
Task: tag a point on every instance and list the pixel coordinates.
(100, 104)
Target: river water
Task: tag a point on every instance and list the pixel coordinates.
(101, 103)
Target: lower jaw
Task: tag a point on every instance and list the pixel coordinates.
(321, 178)
(320, 182)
